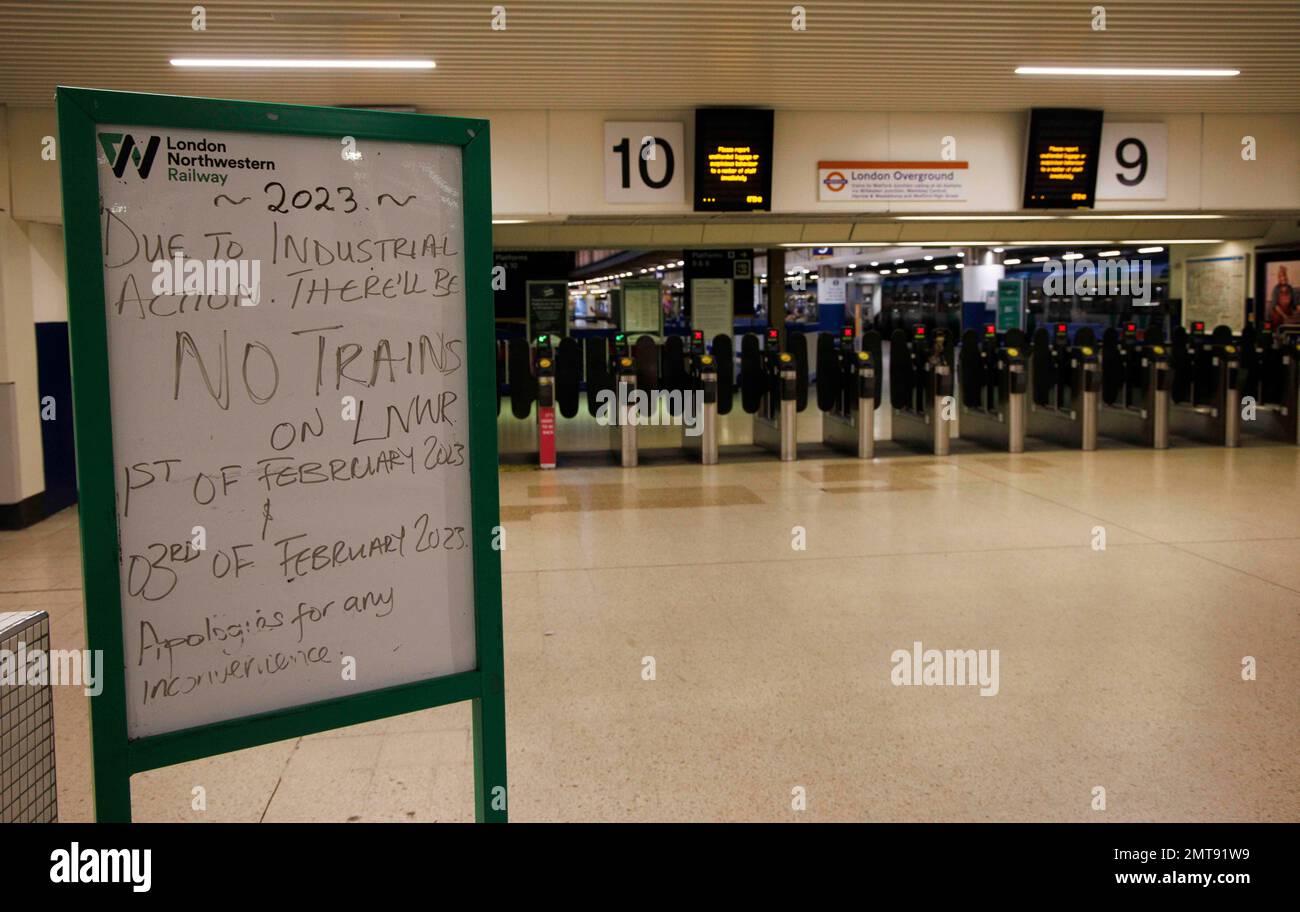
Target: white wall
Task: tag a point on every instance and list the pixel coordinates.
(550, 164)
(49, 288)
(21, 471)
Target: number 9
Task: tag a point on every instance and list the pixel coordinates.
(1140, 162)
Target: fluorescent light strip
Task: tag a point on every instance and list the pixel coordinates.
(1103, 218)
(976, 218)
(1177, 72)
(290, 63)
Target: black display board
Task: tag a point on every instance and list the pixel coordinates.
(1061, 158)
(520, 267)
(734, 264)
(733, 160)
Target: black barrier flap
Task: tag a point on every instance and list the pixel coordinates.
(900, 369)
(568, 376)
(752, 382)
(725, 360)
(828, 372)
(523, 385)
(797, 344)
(871, 343)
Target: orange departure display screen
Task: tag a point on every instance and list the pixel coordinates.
(1061, 166)
(733, 160)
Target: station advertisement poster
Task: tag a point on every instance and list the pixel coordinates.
(883, 181)
(1281, 291)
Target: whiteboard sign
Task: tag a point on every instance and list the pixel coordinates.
(290, 441)
(645, 162)
(1134, 161)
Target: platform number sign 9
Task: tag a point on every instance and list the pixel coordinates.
(1133, 162)
(644, 162)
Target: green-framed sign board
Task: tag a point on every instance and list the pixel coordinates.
(1011, 304)
(284, 378)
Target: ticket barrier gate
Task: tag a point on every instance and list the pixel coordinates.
(703, 370)
(1065, 385)
(993, 379)
(1205, 399)
(1270, 387)
(1135, 387)
(921, 389)
(770, 392)
(848, 391)
(544, 372)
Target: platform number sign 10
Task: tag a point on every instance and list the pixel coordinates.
(643, 162)
(1133, 162)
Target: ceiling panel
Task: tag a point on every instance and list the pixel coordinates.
(610, 54)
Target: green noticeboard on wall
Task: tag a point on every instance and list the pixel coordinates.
(255, 291)
(1011, 304)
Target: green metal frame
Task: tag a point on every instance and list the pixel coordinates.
(115, 756)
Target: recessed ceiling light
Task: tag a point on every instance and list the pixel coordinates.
(293, 63)
(941, 267)
(1108, 253)
(509, 221)
(1151, 250)
(1011, 262)
(1120, 71)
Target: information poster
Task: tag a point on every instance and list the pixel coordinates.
(1215, 292)
(711, 307)
(643, 310)
(548, 308)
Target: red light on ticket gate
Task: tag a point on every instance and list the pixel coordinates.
(1198, 326)
(698, 335)
(848, 332)
(1061, 327)
(920, 331)
(771, 333)
(990, 329)
(1130, 327)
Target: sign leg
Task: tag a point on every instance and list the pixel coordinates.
(490, 795)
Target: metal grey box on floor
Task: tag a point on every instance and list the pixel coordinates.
(27, 783)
